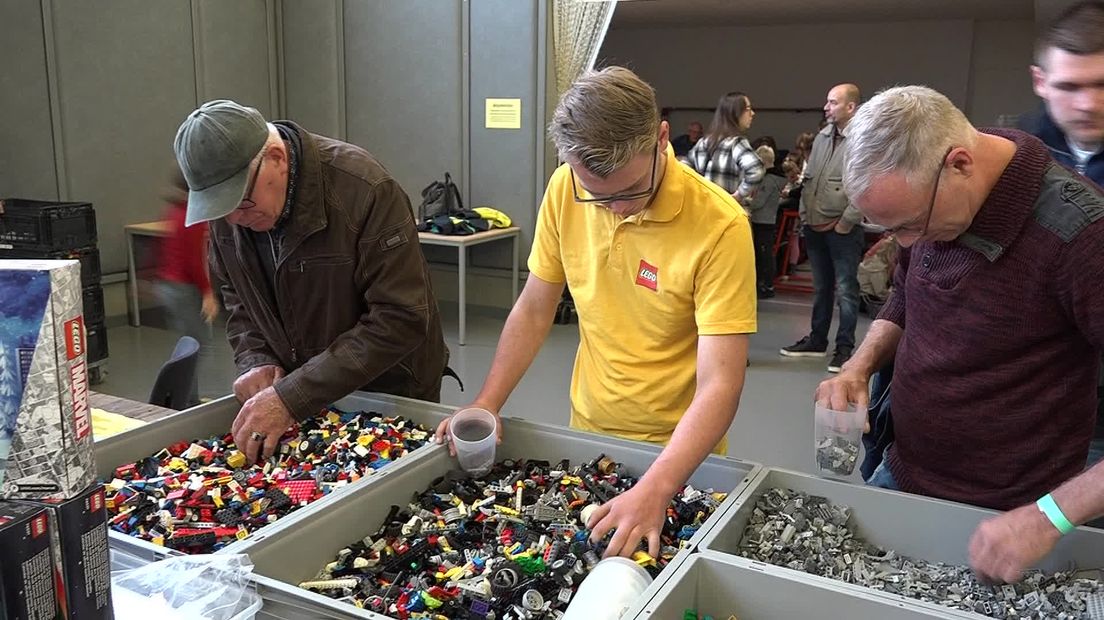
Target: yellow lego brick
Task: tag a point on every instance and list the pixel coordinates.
(236, 459)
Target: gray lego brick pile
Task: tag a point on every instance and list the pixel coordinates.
(808, 533)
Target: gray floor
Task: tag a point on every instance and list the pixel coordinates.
(773, 426)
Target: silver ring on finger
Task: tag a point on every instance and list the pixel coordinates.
(255, 436)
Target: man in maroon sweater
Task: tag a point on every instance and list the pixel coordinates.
(996, 318)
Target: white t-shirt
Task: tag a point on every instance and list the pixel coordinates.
(1080, 156)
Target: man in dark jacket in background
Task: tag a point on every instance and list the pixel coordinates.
(1068, 75)
(314, 245)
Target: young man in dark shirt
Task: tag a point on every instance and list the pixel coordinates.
(1068, 75)
(996, 319)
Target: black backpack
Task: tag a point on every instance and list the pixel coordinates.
(439, 198)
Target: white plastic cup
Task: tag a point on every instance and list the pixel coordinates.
(837, 439)
(474, 434)
(614, 586)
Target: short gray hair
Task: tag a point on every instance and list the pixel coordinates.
(904, 130)
(605, 119)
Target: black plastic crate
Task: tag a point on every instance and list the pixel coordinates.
(93, 298)
(97, 341)
(44, 226)
(89, 260)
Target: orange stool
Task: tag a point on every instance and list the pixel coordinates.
(788, 230)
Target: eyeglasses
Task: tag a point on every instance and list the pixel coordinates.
(931, 204)
(247, 202)
(619, 197)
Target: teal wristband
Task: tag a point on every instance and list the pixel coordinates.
(1050, 508)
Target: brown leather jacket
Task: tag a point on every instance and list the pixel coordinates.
(353, 305)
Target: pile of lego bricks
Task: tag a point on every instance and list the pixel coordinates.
(198, 497)
(511, 544)
(808, 533)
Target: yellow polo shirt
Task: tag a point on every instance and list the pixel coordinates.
(645, 287)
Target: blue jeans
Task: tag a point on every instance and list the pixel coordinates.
(835, 261)
(882, 477)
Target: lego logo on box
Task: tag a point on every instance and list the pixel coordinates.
(39, 525)
(45, 420)
(96, 502)
(74, 332)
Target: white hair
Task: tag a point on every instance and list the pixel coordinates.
(902, 130)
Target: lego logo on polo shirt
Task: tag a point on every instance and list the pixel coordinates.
(648, 276)
(74, 337)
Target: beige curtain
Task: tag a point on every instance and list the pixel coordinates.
(578, 27)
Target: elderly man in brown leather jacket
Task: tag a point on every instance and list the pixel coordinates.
(314, 245)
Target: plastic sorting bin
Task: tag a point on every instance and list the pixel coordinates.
(126, 559)
(216, 418)
(912, 525)
(288, 552)
(720, 585)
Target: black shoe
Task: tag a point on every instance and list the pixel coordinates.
(839, 358)
(766, 293)
(805, 348)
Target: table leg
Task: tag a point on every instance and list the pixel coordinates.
(516, 274)
(132, 284)
(462, 270)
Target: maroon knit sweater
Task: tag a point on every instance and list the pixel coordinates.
(994, 387)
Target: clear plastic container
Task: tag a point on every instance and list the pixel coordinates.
(837, 439)
(474, 434)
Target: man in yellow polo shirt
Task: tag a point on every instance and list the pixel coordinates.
(660, 264)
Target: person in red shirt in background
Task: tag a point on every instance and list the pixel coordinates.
(183, 286)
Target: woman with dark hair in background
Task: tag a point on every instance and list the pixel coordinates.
(724, 156)
(802, 146)
(183, 286)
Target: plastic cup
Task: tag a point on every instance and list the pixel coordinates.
(837, 439)
(474, 434)
(609, 590)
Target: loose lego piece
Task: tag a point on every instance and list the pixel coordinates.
(503, 546)
(808, 533)
(199, 496)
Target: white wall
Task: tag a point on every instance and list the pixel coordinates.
(981, 66)
(1000, 82)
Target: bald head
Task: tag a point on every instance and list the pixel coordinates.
(841, 104)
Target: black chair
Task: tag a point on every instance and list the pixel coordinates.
(177, 385)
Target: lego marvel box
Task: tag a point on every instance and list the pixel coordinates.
(82, 563)
(26, 578)
(46, 447)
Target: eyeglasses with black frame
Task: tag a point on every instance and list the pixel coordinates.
(619, 197)
(931, 205)
(247, 202)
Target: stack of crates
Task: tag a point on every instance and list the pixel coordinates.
(61, 230)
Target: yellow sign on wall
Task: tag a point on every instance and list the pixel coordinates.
(503, 113)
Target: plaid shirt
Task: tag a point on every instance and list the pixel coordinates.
(734, 165)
